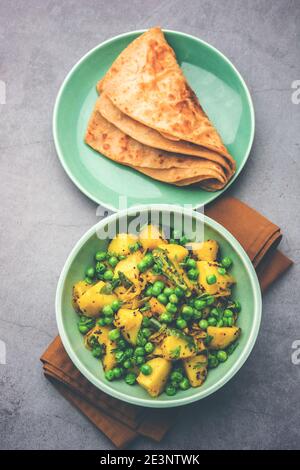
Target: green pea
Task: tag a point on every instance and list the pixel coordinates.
(171, 390)
(228, 313)
(199, 304)
(166, 317)
(113, 261)
(184, 384)
(149, 292)
(119, 355)
(156, 291)
(90, 272)
(127, 363)
(128, 353)
(191, 263)
(88, 280)
(83, 329)
(230, 321)
(117, 371)
(100, 256)
(115, 305)
(197, 315)
(173, 299)
(97, 351)
(146, 332)
(139, 351)
(163, 299)
(168, 291)
(109, 375)
(146, 322)
(176, 377)
(226, 262)
(222, 356)
(156, 269)
(222, 271)
(212, 361)
(187, 312)
(171, 308)
(193, 274)
(179, 292)
(149, 348)
(108, 320)
(210, 300)
(203, 324)
(159, 284)
(108, 275)
(141, 340)
(101, 322)
(148, 259)
(211, 279)
(107, 311)
(114, 334)
(121, 343)
(142, 266)
(211, 321)
(215, 313)
(220, 323)
(146, 369)
(181, 323)
(100, 268)
(130, 378)
(139, 360)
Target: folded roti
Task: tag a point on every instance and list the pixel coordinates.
(146, 83)
(169, 167)
(153, 138)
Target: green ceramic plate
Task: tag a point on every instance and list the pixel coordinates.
(247, 291)
(219, 86)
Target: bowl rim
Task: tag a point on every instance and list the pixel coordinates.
(172, 402)
(60, 153)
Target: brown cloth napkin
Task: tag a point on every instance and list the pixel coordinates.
(122, 422)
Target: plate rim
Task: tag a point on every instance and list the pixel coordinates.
(212, 195)
(172, 402)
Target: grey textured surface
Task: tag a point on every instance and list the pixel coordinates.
(43, 214)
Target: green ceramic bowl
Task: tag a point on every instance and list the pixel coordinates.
(247, 291)
(219, 86)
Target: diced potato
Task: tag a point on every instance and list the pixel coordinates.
(128, 267)
(222, 337)
(223, 283)
(205, 251)
(156, 306)
(120, 244)
(151, 237)
(78, 290)
(176, 347)
(92, 301)
(175, 252)
(109, 347)
(129, 322)
(196, 369)
(156, 381)
(157, 351)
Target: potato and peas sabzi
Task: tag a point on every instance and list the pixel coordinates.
(157, 313)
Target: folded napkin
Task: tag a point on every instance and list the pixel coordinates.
(122, 422)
